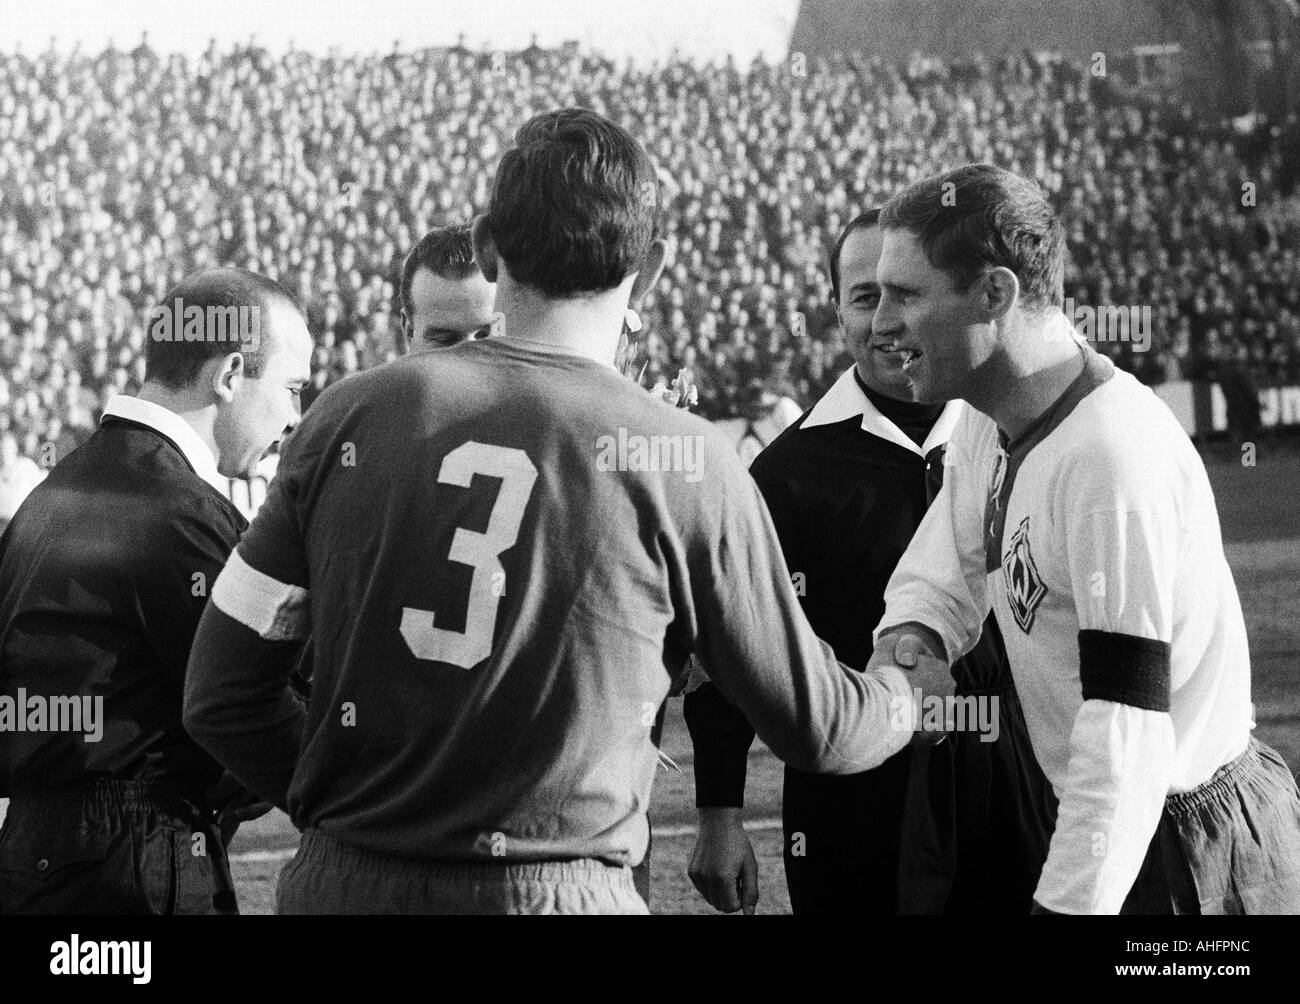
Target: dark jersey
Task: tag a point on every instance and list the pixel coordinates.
(504, 553)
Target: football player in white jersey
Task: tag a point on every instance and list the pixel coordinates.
(1076, 508)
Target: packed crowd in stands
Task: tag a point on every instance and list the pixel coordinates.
(122, 171)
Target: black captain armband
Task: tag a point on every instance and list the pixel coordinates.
(1125, 669)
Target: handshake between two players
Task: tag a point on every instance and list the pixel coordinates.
(916, 651)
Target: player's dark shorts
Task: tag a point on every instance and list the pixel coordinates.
(1229, 846)
(328, 876)
(962, 827)
(114, 847)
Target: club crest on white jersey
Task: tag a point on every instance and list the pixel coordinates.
(1025, 587)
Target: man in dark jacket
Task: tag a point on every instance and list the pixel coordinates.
(104, 573)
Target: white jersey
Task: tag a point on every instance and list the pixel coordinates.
(1095, 539)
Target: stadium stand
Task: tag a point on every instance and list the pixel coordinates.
(123, 170)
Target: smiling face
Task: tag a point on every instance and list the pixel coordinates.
(944, 337)
(880, 364)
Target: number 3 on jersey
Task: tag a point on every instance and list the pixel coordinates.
(481, 551)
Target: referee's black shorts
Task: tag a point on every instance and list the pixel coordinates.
(113, 847)
(958, 828)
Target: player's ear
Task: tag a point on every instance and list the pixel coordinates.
(228, 375)
(998, 290)
(485, 252)
(403, 336)
(649, 273)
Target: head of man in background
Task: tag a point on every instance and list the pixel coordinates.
(570, 262)
(853, 262)
(445, 298)
(238, 356)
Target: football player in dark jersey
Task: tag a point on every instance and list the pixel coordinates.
(504, 553)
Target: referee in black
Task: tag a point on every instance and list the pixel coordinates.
(104, 572)
(961, 827)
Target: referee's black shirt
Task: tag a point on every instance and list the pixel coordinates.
(104, 572)
(847, 488)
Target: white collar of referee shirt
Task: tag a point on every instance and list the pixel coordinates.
(175, 428)
(845, 399)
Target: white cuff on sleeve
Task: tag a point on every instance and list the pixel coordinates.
(276, 610)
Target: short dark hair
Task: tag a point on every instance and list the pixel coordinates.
(175, 362)
(979, 215)
(445, 251)
(870, 218)
(573, 204)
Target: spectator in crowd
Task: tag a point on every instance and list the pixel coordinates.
(765, 412)
(18, 476)
(1241, 397)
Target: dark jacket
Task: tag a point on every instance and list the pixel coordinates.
(104, 572)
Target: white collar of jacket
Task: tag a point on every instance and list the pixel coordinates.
(175, 428)
(845, 399)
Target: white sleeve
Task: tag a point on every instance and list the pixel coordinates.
(941, 580)
(1123, 542)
